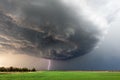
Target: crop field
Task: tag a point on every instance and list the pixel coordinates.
(60, 75)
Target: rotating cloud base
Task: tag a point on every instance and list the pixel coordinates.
(51, 29)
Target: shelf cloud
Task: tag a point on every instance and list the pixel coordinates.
(51, 29)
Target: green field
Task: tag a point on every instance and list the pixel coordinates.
(61, 75)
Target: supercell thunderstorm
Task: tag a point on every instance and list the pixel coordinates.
(50, 29)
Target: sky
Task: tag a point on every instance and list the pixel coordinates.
(103, 14)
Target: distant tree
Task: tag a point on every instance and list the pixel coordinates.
(33, 69)
(11, 69)
(25, 69)
(14, 69)
(3, 69)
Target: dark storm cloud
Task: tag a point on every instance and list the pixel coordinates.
(47, 28)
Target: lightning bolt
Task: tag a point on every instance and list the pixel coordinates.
(49, 64)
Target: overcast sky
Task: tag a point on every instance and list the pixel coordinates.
(105, 57)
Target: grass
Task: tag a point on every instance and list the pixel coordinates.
(61, 75)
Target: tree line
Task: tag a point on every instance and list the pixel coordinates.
(15, 69)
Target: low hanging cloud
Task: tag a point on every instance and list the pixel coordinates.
(51, 29)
